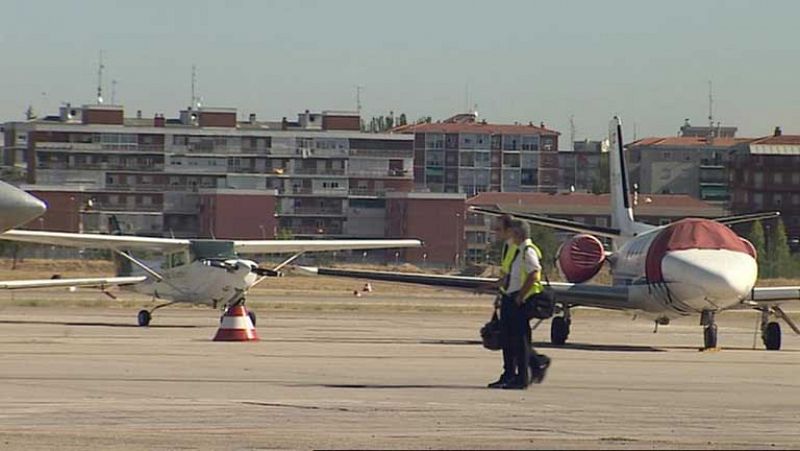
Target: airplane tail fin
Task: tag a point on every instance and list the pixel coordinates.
(622, 210)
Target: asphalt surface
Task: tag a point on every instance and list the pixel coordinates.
(78, 378)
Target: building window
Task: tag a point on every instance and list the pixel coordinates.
(758, 199)
(530, 142)
(795, 199)
(511, 142)
(796, 178)
(777, 178)
(758, 179)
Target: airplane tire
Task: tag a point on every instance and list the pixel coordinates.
(710, 336)
(252, 316)
(772, 336)
(559, 331)
(144, 318)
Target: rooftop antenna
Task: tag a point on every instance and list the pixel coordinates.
(100, 67)
(572, 130)
(710, 109)
(574, 157)
(358, 98)
(113, 92)
(194, 102)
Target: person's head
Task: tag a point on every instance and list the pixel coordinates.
(502, 227)
(520, 231)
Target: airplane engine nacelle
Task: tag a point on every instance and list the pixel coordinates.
(580, 258)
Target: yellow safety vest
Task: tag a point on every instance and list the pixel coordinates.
(537, 287)
(509, 251)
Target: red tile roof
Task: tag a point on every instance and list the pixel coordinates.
(475, 127)
(778, 140)
(688, 141)
(584, 199)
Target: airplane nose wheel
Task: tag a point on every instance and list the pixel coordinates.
(710, 336)
(708, 321)
(559, 330)
(144, 318)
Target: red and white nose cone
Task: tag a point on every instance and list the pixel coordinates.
(718, 276)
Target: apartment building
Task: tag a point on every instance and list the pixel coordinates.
(157, 169)
(584, 168)
(465, 155)
(766, 177)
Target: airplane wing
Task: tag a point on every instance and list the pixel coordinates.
(775, 295)
(749, 217)
(95, 241)
(561, 224)
(81, 282)
(574, 294)
(286, 246)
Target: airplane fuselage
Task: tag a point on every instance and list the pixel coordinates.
(207, 282)
(687, 276)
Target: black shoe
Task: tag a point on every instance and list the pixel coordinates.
(539, 365)
(515, 385)
(499, 383)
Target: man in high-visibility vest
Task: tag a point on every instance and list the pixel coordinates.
(524, 281)
(503, 232)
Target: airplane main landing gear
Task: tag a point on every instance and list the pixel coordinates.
(770, 332)
(144, 318)
(709, 329)
(559, 328)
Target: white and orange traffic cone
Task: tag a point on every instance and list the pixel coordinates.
(236, 326)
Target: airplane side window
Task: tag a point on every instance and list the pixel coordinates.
(178, 259)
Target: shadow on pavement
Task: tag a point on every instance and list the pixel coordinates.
(94, 324)
(599, 347)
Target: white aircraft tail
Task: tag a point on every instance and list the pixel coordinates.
(621, 207)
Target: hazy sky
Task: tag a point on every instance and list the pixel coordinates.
(649, 61)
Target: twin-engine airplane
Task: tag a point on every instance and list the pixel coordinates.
(689, 267)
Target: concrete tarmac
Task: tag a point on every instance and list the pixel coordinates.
(78, 378)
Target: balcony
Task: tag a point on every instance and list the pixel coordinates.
(340, 192)
(316, 171)
(316, 231)
(100, 147)
(311, 211)
(380, 173)
(126, 207)
(156, 167)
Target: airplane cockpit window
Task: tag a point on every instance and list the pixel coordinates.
(212, 249)
(174, 260)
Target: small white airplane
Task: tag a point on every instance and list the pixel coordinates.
(209, 272)
(689, 267)
(18, 207)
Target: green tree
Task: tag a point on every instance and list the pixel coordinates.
(545, 238)
(284, 234)
(780, 259)
(756, 237)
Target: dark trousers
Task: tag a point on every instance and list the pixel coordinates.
(515, 333)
